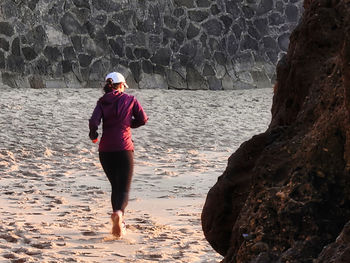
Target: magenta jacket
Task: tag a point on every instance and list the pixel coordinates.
(120, 112)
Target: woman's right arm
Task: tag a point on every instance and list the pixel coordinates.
(139, 116)
(95, 121)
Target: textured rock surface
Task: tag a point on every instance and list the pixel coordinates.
(75, 42)
(285, 194)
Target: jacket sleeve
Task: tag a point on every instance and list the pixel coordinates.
(95, 121)
(139, 116)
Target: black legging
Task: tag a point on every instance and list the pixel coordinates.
(118, 167)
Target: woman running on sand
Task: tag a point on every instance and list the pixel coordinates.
(120, 112)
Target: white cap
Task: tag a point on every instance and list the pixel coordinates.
(116, 78)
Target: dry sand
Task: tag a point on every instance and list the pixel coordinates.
(55, 199)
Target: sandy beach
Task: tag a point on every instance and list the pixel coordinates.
(55, 198)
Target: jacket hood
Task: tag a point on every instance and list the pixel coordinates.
(110, 97)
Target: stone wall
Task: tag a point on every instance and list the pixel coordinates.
(177, 44)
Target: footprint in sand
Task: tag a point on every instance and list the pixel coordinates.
(89, 233)
(42, 245)
(9, 256)
(9, 238)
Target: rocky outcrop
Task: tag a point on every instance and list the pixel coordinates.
(181, 44)
(285, 194)
(338, 251)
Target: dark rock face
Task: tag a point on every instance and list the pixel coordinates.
(2, 60)
(162, 57)
(15, 48)
(29, 53)
(285, 194)
(4, 44)
(339, 251)
(153, 36)
(6, 29)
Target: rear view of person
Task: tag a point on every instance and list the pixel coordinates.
(119, 113)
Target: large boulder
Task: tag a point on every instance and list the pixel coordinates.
(285, 194)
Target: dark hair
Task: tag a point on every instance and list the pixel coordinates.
(110, 86)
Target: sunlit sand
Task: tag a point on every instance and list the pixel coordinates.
(55, 198)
